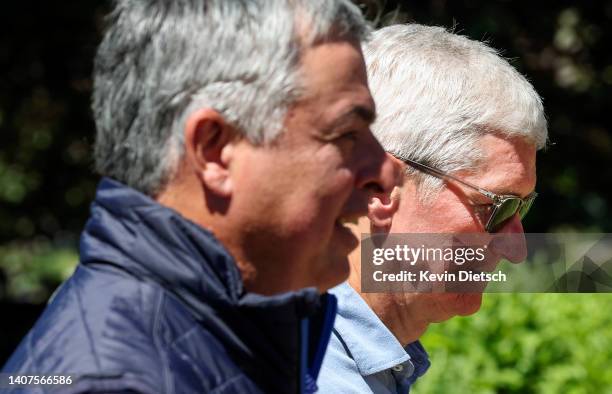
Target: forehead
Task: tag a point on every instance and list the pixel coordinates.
(508, 166)
(334, 78)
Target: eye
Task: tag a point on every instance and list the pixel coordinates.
(349, 135)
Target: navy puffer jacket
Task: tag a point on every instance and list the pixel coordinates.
(156, 305)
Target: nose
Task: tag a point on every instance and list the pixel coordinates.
(381, 175)
(509, 241)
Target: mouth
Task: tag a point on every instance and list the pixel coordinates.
(345, 234)
(347, 219)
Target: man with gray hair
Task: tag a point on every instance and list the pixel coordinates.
(465, 127)
(234, 139)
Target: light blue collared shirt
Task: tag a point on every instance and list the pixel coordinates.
(363, 356)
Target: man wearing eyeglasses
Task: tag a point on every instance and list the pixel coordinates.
(465, 126)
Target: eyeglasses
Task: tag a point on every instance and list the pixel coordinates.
(504, 206)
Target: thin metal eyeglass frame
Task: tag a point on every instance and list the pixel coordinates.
(498, 199)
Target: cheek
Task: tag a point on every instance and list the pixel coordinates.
(315, 205)
(455, 217)
(332, 193)
(436, 219)
(326, 188)
(342, 182)
(321, 173)
(301, 194)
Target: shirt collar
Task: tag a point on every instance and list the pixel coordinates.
(370, 343)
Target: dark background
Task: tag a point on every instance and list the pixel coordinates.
(46, 129)
(46, 54)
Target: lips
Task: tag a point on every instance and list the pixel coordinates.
(344, 235)
(349, 219)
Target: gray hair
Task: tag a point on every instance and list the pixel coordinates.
(161, 59)
(437, 93)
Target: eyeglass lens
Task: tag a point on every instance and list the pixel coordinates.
(508, 208)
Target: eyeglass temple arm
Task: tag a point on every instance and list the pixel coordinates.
(444, 175)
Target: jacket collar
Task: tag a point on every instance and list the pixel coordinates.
(133, 233)
(154, 242)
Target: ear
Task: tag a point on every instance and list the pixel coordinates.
(381, 210)
(209, 145)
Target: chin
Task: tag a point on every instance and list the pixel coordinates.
(467, 303)
(449, 305)
(335, 272)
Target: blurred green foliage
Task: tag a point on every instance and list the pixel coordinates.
(524, 343)
(28, 272)
(46, 55)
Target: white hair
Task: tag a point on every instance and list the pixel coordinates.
(437, 93)
(161, 59)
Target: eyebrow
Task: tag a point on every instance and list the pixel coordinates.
(360, 111)
(504, 191)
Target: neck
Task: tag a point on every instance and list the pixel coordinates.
(399, 312)
(210, 213)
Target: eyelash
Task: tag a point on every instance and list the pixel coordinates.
(351, 135)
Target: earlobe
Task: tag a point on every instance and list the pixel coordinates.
(382, 209)
(216, 176)
(209, 142)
